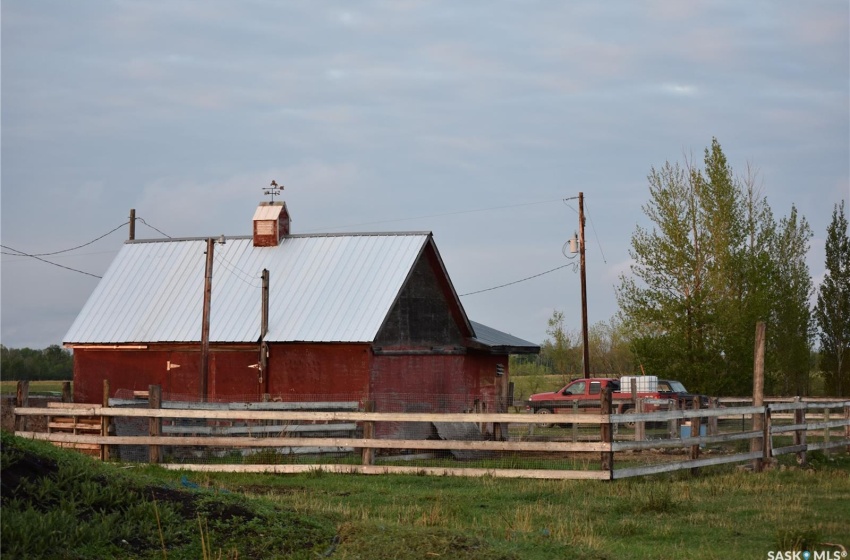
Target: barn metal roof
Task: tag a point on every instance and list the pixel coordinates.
(323, 288)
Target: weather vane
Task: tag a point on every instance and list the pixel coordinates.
(273, 189)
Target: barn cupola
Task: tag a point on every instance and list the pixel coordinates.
(271, 224)
(271, 220)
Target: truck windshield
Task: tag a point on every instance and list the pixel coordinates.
(672, 386)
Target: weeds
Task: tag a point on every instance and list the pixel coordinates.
(806, 538)
(69, 503)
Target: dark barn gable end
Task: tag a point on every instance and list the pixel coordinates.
(364, 317)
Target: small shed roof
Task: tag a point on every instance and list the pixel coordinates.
(268, 211)
(501, 342)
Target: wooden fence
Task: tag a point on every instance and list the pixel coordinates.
(808, 430)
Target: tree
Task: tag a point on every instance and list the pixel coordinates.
(705, 274)
(666, 313)
(832, 311)
(790, 343)
(609, 349)
(561, 349)
(52, 363)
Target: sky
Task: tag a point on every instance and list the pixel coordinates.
(474, 120)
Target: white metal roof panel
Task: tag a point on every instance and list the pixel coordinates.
(331, 288)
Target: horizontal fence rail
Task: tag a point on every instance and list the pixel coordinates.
(348, 437)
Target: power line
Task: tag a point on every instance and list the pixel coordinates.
(518, 281)
(596, 235)
(236, 271)
(72, 248)
(36, 257)
(436, 215)
(153, 228)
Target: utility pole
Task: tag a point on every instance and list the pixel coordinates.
(205, 325)
(264, 329)
(132, 224)
(584, 345)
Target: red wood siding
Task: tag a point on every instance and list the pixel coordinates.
(338, 371)
(133, 370)
(407, 382)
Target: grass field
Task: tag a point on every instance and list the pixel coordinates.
(36, 387)
(92, 510)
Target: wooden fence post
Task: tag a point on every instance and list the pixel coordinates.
(673, 424)
(826, 416)
(695, 424)
(105, 422)
(22, 400)
(712, 428)
(155, 402)
(767, 439)
(847, 427)
(66, 392)
(575, 424)
(800, 435)
(606, 432)
(640, 426)
(757, 443)
(367, 453)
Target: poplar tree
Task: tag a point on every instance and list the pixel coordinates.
(790, 342)
(710, 267)
(666, 312)
(833, 307)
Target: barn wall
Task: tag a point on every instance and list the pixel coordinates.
(136, 370)
(132, 370)
(232, 378)
(421, 316)
(326, 371)
(405, 382)
(432, 383)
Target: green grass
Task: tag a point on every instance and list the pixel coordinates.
(60, 505)
(36, 387)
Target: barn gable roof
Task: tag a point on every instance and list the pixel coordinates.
(323, 288)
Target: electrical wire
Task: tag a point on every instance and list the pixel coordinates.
(153, 228)
(518, 281)
(236, 271)
(435, 215)
(21, 253)
(595, 234)
(36, 257)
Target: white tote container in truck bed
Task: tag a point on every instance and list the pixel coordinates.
(642, 383)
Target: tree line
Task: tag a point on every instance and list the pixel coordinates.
(713, 263)
(25, 364)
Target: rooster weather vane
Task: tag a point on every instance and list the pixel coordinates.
(273, 189)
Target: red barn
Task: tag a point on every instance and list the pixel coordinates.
(369, 316)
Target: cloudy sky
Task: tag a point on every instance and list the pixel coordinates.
(473, 120)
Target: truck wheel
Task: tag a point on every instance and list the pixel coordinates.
(543, 411)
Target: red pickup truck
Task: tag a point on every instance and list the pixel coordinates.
(586, 393)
